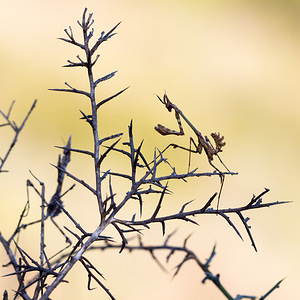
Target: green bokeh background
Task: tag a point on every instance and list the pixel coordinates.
(231, 66)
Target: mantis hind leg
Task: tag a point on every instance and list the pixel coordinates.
(222, 178)
(198, 149)
(190, 150)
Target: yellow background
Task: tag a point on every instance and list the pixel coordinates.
(231, 66)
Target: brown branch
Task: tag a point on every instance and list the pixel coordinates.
(17, 130)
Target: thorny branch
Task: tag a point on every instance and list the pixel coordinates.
(17, 129)
(144, 177)
(189, 255)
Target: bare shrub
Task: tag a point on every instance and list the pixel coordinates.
(38, 277)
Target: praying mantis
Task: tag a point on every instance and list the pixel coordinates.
(202, 142)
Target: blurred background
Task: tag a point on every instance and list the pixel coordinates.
(231, 66)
